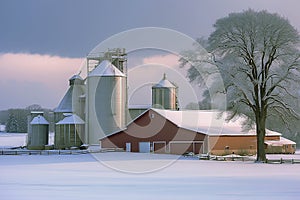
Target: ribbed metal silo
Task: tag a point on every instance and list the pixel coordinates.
(69, 132)
(39, 133)
(72, 102)
(106, 101)
(164, 95)
(30, 117)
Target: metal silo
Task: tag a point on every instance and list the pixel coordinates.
(164, 95)
(39, 133)
(30, 117)
(106, 101)
(69, 132)
(72, 102)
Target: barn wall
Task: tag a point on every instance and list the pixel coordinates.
(286, 148)
(225, 144)
(232, 144)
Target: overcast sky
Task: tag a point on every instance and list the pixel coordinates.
(42, 43)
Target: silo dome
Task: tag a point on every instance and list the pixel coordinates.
(164, 83)
(76, 79)
(106, 68)
(106, 101)
(164, 95)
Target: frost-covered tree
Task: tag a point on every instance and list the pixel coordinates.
(12, 124)
(17, 121)
(257, 54)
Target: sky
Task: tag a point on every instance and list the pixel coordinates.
(43, 43)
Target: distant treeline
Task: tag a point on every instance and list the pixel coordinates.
(16, 119)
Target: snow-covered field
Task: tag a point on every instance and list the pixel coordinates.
(12, 139)
(122, 175)
(17, 139)
(84, 177)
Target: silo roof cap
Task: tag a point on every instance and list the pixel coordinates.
(76, 76)
(76, 80)
(164, 83)
(71, 119)
(39, 120)
(106, 68)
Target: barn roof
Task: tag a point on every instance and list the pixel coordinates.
(208, 122)
(279, 143)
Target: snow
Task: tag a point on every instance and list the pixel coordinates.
(76, 76)
(12, 139)
(281, 142)
(123, 175)
(106, 68)
(18, 139)
(39, 120)
(2, 128)
(71, 119)
(164, 83)
(208, 122)
(83, 176)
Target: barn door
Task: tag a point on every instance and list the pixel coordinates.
(128, 147)
(144, 147)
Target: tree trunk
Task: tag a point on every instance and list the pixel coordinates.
(260, 135)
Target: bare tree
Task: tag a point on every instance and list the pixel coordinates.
(257, 54)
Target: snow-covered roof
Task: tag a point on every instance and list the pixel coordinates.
(66, 104)
(281, 142)
(71, 119)
(208, 122)
(37, 112)
(39, 120)
(105, 68)
(164, 83)
(136, 106)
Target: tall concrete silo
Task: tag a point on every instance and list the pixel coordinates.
(39, 133)
(164, 95)
(106, 102)
(68, 132)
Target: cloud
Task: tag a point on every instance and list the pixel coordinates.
(43, 79)
(34, 78)
(169, 60)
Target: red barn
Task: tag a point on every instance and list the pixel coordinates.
(178, 132)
